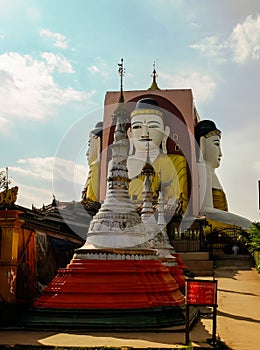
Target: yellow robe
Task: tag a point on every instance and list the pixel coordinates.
(219, 199)
(91, 190)
(219, 202)
(172, 170)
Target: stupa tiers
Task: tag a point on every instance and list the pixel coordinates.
(160, 240)
(120, 277)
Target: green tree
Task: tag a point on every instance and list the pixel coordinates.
(254, 237)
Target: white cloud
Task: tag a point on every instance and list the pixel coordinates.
(37, 167)
(100, 68)
(202, 85)
(68, 179)
(39, 177)
(245, 40)
(59, 39)
(211, 47)
(28, 89)
(68, 170)
(242, 44)
(94, 69)
(57, 61)
(46, 168)
(36, 195)
(4, 125)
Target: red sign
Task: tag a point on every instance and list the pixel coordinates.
(201, 292)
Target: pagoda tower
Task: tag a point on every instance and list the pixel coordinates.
(117, 279)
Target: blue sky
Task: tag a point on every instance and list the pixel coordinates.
(58, 58)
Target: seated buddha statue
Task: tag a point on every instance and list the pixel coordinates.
(213, 202)
(147, 135)
(91, 188)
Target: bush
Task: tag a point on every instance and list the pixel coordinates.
(254, 238)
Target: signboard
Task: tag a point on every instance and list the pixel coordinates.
(201, 292)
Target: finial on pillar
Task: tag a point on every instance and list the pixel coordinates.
(154, 75)
(121, 72)
(120, 116)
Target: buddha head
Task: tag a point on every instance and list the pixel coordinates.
(94, 143)
(208, 138)
(147, 123)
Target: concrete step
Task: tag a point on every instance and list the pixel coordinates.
(200, 268)
(218, 253)
(194, 256)
(203, 273)
(234, 262)
(198, 263)
(235, 257)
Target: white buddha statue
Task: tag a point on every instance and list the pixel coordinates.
(213, 200)
(147, 123)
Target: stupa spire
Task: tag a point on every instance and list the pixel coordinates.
(154, 75)
(121, 72)
(120, 116)
(148, 172)
(117, 224)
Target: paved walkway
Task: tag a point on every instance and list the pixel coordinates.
(238, 321)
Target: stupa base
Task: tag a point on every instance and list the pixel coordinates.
(106, 319)
(108, 295)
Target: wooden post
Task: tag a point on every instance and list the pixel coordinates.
(214, 325)
(187, 328)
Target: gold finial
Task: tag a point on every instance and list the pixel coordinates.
(120, 115)
(121, 72)
(154, 75)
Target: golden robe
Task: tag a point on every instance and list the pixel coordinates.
(171, 171)
(91, 190)
(219, 199)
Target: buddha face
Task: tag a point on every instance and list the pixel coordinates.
(147, 126)
(212, 151)
(93, 148)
